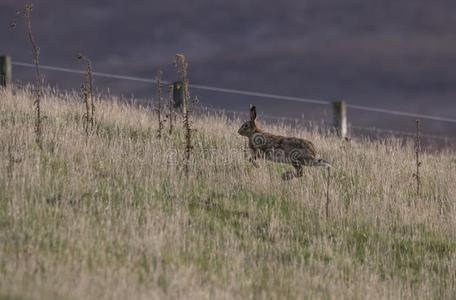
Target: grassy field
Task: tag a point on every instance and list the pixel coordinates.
(112, 216)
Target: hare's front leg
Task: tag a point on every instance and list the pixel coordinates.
(254, 163)
(253, 157)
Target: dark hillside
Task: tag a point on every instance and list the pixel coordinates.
(393, 54)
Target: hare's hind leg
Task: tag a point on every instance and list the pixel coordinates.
(290, 174)
(298, 168)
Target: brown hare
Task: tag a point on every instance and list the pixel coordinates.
(295, 151)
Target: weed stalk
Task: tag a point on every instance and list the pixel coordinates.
(26, 13)
(159, 94)
(171, 113)
(417, 157)
(328, 199)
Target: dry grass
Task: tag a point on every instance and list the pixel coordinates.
(113, 218)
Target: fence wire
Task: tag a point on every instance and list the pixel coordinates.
(270, 96)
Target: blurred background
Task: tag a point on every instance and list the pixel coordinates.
(392, 54)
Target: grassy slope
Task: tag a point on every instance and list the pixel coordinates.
(112, 216)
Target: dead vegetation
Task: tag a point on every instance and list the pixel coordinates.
(111, 218)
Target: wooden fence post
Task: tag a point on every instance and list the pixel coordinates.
(178, 94)
(5, 71)
(340, 118)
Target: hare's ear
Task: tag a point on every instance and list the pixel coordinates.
(253, 114)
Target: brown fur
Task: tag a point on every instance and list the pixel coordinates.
(290, 150)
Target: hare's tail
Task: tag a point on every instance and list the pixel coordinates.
(319, 162)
